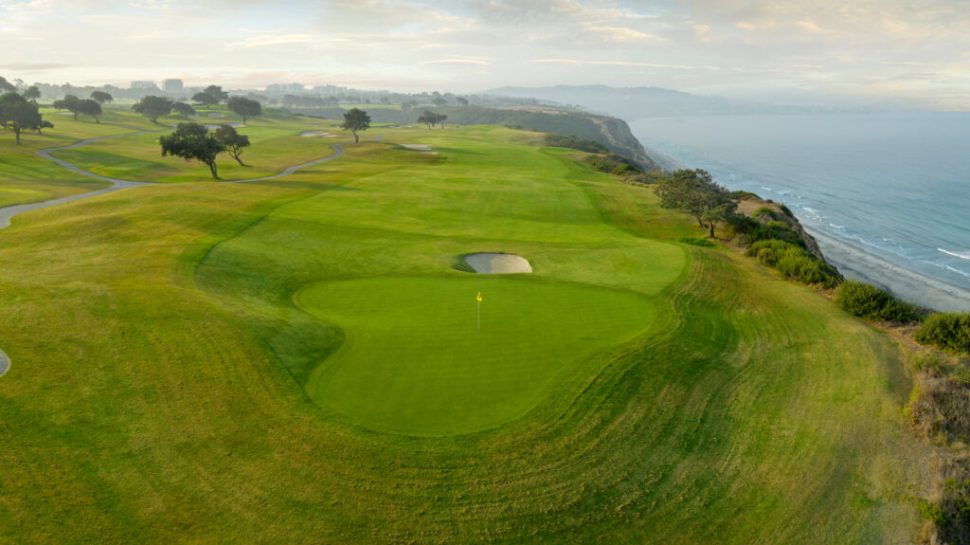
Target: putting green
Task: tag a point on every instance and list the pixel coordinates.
(414, 360)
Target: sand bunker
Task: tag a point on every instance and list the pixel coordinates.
(416, 147)
(491, 263)
(4, 363)
(233, 124)
(317, 134)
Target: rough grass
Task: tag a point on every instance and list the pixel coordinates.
(158, 392)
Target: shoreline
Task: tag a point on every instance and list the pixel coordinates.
(858, 264)
(910, 286)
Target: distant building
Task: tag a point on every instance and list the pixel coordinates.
(285, 88)
(173, 86)
(144, 85)
(329, 89)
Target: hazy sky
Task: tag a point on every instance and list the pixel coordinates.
(809, 51)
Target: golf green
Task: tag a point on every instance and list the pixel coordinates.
(415, 361)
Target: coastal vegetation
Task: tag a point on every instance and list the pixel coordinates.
(946, 330)
(696, 192)
(868, 301)
(794, 262)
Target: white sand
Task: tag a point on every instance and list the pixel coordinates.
(491, 263)
(233, 124)
(416, 147)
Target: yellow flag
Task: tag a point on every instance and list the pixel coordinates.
(479, 297)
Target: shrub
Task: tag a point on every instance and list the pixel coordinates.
(770, 251)
(765, 211)
(752, 231)
(868, 301)
(742, 194)
(947, 330)
(698, 242)
(581, 144)
(807, 269)
(794, 262)
(612, 163)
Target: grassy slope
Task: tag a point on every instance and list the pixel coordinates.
(156, 394)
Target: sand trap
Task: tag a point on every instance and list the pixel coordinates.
(416, 147)
(317, 134)
(491, 263)
(234, 124)
(4, 363)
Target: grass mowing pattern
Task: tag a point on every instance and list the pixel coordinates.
(158, 393)
(414, 360)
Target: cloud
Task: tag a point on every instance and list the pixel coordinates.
(271, 40)
(827, 47)
(33, 67)
(620, 34)
(613, 63)
(474, 61)
(809, 26)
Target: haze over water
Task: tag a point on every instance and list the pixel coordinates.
(886, 194)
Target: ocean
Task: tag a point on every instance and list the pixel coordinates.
(887, 195)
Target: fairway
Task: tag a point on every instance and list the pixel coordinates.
(415, 361)
(299, 360)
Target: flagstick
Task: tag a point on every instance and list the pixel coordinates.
(479, 315)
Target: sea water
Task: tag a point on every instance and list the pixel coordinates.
(887, 195)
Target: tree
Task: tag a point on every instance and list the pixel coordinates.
(183, 109)
(232, 141)
(32, 94)
(44, 124)
(204, 99)
(17, 114)
(245, 107)
(70, 103)
(432, 119)
(101, 97)
(6, 86)
(89, 107)
(695, 192)
(462, 101)
(193, 141)
(428, 118)
(154, 107)
(439, 101)
(216, 92)
(355, 120)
